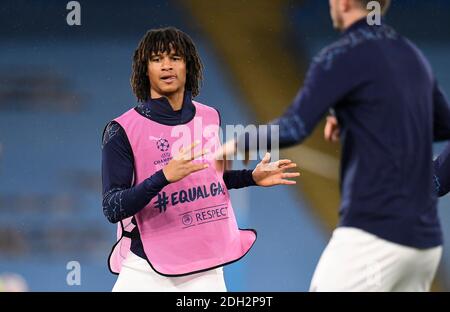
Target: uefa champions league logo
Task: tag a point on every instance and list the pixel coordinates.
(163, 145)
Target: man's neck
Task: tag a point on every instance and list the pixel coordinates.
(353, 18)
(176, 100)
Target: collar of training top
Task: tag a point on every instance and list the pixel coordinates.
(359, 24)
(161, 111)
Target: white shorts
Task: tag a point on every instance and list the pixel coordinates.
(137, 276)
(355, 260)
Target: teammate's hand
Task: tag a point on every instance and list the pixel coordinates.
(331, 131)
(269, 173)
(182, 165)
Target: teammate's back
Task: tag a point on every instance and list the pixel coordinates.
(386, 123)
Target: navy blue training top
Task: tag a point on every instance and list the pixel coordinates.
(390, 109)
(122, 200)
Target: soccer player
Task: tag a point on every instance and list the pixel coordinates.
(176, 226)
(390, 109)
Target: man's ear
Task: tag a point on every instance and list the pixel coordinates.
(347, 5)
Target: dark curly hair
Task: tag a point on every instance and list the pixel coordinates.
(160, 41)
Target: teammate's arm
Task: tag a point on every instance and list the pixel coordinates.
(328, 80)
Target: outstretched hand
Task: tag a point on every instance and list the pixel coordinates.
(182, 165)
(269, 173)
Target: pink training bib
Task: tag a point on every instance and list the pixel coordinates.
(190, 225)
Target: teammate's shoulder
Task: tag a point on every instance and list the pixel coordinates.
(333, 52)
(413, 46)
(350, 43)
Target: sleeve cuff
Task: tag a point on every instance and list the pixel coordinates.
(249, 178)
(156, 182)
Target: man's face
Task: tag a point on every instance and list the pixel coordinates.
(167, 74)
(336, 15)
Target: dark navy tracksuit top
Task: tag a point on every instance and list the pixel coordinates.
(390, 109)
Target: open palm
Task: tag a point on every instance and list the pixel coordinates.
(269, 173)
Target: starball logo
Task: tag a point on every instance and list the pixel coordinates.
(163, 146)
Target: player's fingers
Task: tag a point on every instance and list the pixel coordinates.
(187, 153)
(332, 120)
(199, 154)
(327, 131)
(335, 135)
(276, 166)
(187, 150)
(282, 162)
(197, 167)
(288, 166)
(286, 182)
(290, 175)
(180, 154)
(330, 126)
(266, 159)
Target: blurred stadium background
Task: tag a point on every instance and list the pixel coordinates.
(60, 85)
